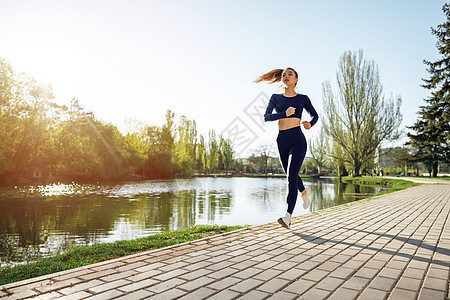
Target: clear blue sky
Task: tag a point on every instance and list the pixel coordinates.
(137, 59)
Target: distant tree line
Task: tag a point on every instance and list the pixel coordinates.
(66, 142)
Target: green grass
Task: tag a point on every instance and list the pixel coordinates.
(81, 256)
(392, 184)
(439, 177)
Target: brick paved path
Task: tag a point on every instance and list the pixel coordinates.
(395, 246)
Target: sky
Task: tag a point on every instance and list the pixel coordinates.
(134, 60)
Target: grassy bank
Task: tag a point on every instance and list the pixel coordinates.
(81, 256)
(392, 184)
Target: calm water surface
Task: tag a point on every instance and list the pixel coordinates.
(42, 220)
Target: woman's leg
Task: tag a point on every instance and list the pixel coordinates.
(295, 183)
(284, 150)
(284, 142)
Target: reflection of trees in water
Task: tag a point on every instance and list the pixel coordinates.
(35, 224)
(32, 224)
(329, 192)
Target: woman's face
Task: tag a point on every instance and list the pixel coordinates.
(288, 78)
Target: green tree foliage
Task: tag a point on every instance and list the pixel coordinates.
(213, 152)
(319, 149)
(201, 154)
(431, 135)
(360, 118)
(68, 143)
(160, 162)
(226, 153)
(184, 150)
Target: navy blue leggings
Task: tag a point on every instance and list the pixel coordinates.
(292, 141)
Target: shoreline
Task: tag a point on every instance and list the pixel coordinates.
(34, 182)
(84, 255)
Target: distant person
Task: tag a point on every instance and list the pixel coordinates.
(289, 107)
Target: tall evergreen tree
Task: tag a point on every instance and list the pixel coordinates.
(432, 134)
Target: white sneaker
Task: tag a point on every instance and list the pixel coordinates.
(306, 200)
(285, 222)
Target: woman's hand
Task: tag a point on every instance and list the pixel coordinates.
(306, 125)
(290, 111)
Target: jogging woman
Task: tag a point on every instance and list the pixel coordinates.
(291, 141)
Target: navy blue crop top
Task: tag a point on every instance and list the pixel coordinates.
(281, 104)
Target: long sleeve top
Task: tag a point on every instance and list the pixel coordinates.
(281, 103)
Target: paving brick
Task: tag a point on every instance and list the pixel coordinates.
(77, 295)
(438, 273)
(343, 293)
(329, 266)
(224, 295)
(391, 273)
(65, 286)
(315, 293)
(142, 276)
(223, 273)
(132, 266)
(268, 274)
(108, 286)
(197, 283)
(299, 287)
(254, 295)
(141, 294)
(282, 295)
(427, 294)
(372, 294)
(273, 285)
(330, 283)
(382, 283)
(165, 285)
(169, 295)
(400, 294)
(201, 293)
(366, 273)
(220, 265)
(138, 285)
(435, 283)
(414, 273)
(224, 283)
(308, 265)
(51, 295)
(246, 285)
(170, 274)
(356, 283)
(244, 264)
(411, 284)
(118, 276)
(107, 295)
(342, 272)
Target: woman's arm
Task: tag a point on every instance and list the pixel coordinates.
(269, 116)
(312, 112)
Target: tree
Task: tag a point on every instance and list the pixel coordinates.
(264, 152)
(319, 149)
(432, 129)
(200, 154)
(360, 119)
(184, 150)
(213, 151)
(226, 152)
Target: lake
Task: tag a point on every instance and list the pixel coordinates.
(37, 221)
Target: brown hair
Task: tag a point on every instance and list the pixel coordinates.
(273, 76)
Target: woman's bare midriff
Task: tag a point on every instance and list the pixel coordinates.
(288, 123)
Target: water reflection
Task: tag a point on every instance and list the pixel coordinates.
(42, 220)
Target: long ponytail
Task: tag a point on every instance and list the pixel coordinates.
(273, 76)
